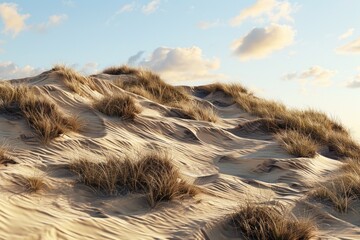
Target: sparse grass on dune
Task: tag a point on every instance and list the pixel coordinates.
(316, 125)
(152, 174)
(119, 105)
(342, 189)
(297, 144)
(74, 80)
(151, 86)
(260, 222)
(40, 112)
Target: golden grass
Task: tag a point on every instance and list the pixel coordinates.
(256, 222)
(118, 105)
(75, 81)
(342, 189)
(314, 124)
(152, 174)
(297, 144)
(40, 112)
(151, 86)
(34, 183)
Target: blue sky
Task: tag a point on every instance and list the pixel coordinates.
(303, 53)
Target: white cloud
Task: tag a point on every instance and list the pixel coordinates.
(135, 58)
(14, 22)
(182, 64)
(53, 21)
(151, 7)
(355, 83)
(261, 42)
(9, 70)
(315, 75)
(126, 8)
(274, 10)
(347, 34)
(206, 25)
(350, 48)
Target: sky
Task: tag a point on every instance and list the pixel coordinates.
(305, 54)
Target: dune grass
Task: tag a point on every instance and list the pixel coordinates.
(342, 188)
(264, 222)
(75, 81)
(151, 86)
(118, 105)
(43, 116)
(152, 174)
(297, 144)
(34, 183)
(316, 125)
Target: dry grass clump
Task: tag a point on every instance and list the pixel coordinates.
(197, 111)
(118, 70)
(152, 174)
(119, 105)
(151, 86)
(231, 89)
(316, 125)
(75, 81)
(256, 222)
(342, 189)
(34, 183)
(297, 144)
(40, 112)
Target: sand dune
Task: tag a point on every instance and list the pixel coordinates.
(231, 165)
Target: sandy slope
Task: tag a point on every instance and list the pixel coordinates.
(231, 165)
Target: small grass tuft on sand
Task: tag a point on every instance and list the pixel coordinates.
(118, 70)
(297, 144)
(118, 105)
(260, 222)
(34, 183)
(152, 174)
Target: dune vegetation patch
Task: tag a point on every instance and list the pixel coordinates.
(118, 105)
(151, 86)
(43, 115)
(316, 125)
(75, 81)
(264, 222)
(297, 144)
(342, 189)
(152, 174)
(34, 183)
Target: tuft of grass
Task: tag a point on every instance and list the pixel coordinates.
(119, 105)
(297, 144)
(198, 111)
(152, 174)
(34, 183)
(118, 70)
(40, 112)
(316, 125)
(256, 222)
(342, 189)
(75, 81)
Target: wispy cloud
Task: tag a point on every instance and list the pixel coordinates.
(14, 22)
(151, 7)
(126, 8)
(53, 21)
(274, 10)
(182, 64)
(347, 34)
(261, 42)
(315, 75)
(206, 25)
(355, 83)
(352, 47)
